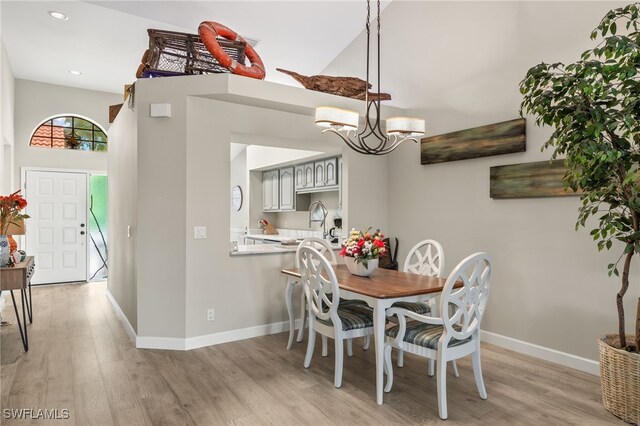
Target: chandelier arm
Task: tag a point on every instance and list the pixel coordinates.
(368, 27)
(348, 140)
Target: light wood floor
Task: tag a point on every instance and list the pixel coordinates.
(81, 359)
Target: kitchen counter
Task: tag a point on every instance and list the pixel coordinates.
(251, 249)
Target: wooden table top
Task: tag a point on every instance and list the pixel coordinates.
(384, 283)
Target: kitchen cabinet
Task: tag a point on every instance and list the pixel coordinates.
(304, 176)
(270, 190)
(299, 173)
(287, 189)
(326, 172)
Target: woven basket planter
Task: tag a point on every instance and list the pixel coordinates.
(620, 381)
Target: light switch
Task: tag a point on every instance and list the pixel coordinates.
(199, 232)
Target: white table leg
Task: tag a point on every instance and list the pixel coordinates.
(288, 293)
(378, 334)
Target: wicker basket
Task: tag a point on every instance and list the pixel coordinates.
(620, 381)
(173, 53)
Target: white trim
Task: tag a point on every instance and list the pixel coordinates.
(568, 360)
(240, 334)
(179, 344)
(170, 343)
(122, 317)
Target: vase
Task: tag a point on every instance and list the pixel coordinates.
(358, 268)
(5, 251)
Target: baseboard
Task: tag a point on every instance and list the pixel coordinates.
(240, 334)
(178, 344)
(169, 343)
(122, 317)
(568, 360)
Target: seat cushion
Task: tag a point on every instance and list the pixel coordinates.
(422, 334)
(345, 302)
(353, 317)
(417, 307)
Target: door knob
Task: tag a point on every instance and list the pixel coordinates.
(81, 232)
(82, 225)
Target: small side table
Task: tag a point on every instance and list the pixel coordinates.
(18, 277)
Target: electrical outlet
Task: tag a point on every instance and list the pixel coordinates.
(210, 314)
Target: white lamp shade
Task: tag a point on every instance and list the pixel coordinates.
(405, 126)
(343, 119)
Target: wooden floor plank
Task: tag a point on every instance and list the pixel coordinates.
(81, 358)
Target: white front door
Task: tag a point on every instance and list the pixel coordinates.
(57, 230)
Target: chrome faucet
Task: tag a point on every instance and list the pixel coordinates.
(317, 209)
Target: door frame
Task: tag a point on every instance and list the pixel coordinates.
(87, 173)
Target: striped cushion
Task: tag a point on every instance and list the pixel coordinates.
(353, 317)
(417, 307)
(345, 302)
(422, 334)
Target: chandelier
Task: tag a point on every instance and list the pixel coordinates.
(371, 139)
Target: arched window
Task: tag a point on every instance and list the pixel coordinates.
(70, 132)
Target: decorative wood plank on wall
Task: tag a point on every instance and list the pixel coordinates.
(493, 139)
(538, 179)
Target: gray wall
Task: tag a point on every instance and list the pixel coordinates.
(123, 194)
(183, 180)
(7, 95)
(550, 284)
(36, 102)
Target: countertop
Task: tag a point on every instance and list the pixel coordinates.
(251, 249)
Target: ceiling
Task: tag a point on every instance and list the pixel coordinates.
(105, 39)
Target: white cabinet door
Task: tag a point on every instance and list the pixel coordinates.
(287, 192)
(270, 190)
(275, 190)
(318, 168)
(299, 175)
(331, 171)
(58, 231)
(308, 175)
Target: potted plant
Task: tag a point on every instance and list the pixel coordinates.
(10, 207)
(361, 251)
(594, 107)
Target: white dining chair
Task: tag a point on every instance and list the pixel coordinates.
(425, 258)
(328, 316)
(453, 335)
(327, 251)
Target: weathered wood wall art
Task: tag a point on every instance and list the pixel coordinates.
(525, 180)
(483, 141)
(350, 87)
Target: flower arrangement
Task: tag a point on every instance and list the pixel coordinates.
(363, 245)
(10, 206)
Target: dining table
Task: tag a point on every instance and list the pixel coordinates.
(380, 290)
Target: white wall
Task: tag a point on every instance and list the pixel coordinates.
(7, 97)
(35, 102)
(240, 177)
(550, 285)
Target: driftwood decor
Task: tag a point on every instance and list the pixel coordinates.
(483, 141)
(525, 180)
(350, 87)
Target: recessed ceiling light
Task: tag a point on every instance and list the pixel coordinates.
(74, 72)
(58, 15)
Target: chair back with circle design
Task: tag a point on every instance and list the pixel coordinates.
(425, 258)
(319, 283)
(321, 245)
(464, 306)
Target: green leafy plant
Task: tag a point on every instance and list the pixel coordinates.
(594, 107)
